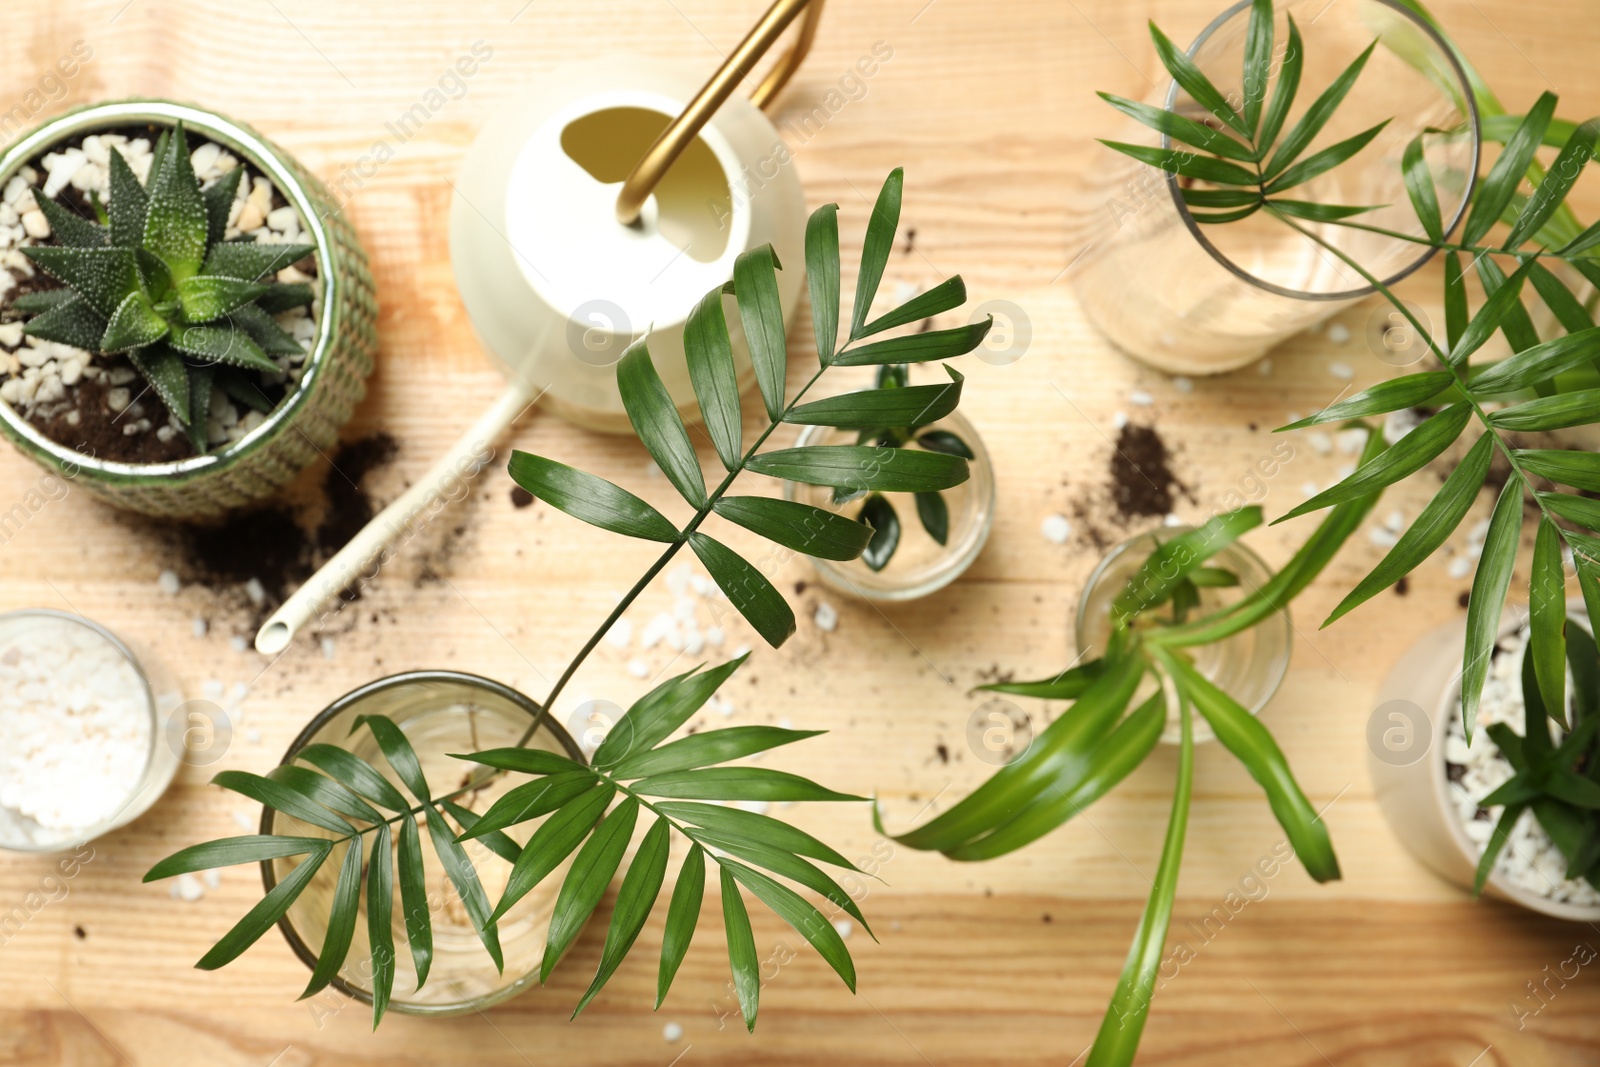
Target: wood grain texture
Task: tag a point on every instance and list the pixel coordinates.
(990, 108)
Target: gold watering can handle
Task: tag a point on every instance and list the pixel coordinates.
(683, 129)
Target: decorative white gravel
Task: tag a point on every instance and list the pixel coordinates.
(1056, 529)
(1338, 333)
(1530, 861)
(826, 617)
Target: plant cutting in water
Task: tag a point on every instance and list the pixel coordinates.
(1097, 742)
(666, 782)
(932, 511)
(154, 279)
(1245, 164)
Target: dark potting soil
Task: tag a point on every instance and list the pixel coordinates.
(520, 497)
(99, 430)
(1141, 480)
(348, 508)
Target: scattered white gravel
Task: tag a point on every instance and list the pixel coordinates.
(621, 634)
(1352, 441)
(238, 643)
(255, 591)
(198, 626)
(1342, 371)
(1119, 420)
(638, 668)
(328, 647)
(758, 806)
(826, 617)
(244, 820)
(1397, 424)
(1056, 529)
(1182, 384)
(1460, 567)
(1320, 442)
(187, 888)
(1338, 333)
(1264, 368)
(672, 1032)
(1140, 398)
(845, 928)
(168, 583)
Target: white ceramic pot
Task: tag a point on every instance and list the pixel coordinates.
(1406, 745)
(557, 288)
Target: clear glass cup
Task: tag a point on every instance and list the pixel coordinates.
(1195, 299)
(1248, 666)
(920, 565)
(153, 692)
(440, 712)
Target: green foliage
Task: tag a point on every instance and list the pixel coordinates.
(157, 282)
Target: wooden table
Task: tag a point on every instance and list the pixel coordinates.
(990, 108)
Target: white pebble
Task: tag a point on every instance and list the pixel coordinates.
(1119, 420)
(1308, 488)
(1382, 537)
(1321, 442)
(1396, 520)
(212, 878)
(245, 822)
(238, 643)
(199, 626)
(1460, 567)
(1264, 368)
(252, 736)
(187, 889)
(715, 637)
(1342, 371)
(845, 927)
(168, 583)
(1182, 384)
(757, 806)
(638, 668)
(1056, 529)
(672, 1032)
(621, 634)
(1141, 398)
(255, 591)
(1338, 333)
(826, 617)
(742, 650)
(1352, 440)
(327, 647)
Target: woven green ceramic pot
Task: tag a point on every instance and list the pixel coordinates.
(306, 423)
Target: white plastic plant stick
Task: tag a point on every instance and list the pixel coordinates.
(368, 550)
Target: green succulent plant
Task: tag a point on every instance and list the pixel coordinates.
(153, 279)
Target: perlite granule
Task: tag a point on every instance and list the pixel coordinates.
(75, 729)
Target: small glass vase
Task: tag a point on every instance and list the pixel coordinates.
(1193, 299)
(920, 565)
(440, 712)
(1248, 666)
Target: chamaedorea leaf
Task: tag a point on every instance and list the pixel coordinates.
(282, 799)
(742, 956)
(683, 915)
(221, 344)
(1186, 164)
(709, 748)
(1302, 133)
(934, 514)
(1319, 163)
(787, 865)
(1194, 82)
(1539, 363)
(1488, 597)
(1058, 757)
(736, 783)
(1257, 60)
(752, 825)
(265, 915)
(1490, 317)
(880, 515)
(800, 914)
(251, 260)
(1173, 559)
(873, 409)
(342, 911)
(1558, 181)
(1313, 212)
(219, 197)
(1455, 300)
(1500, 184)
(396, 748)
(1283, 96)
(709, 354)
(864, 467)
(380, 915)
(1583, 510)
(875, 248)
(1419, 186)
(1547, 624)
(822, 277)
(495, 841)
(325, 791)
(655, 716)
(102, 276)
(1112, 760)
(1243, 735)
(1567, 308)
(761, 312)
(801, 527)
(207, 297)
(553, 842)
(1550, 412)
(69, 228)
(656, 420)
(229, 851)
(524, 761)
(1438, 519)
(918, 347)
(641, 885)
(1580, 470)
(128, 204)
(1518, 325)
(356, 773)
(586, 881)
(164, 369)
(414, 899)
(1068, 685)
(1393, 395)
(176, 224)
(1117, 1041)
(591, 499)
(1407, 456)
(1181, 128)
(464, 876)
(950, 293)
(946, 442)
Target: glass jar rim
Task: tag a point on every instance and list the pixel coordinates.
(1474, 123)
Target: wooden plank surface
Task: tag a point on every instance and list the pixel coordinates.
(989, 107)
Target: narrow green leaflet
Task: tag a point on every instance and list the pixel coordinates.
(742, 956)
(709, 353)
(1182, 128)
(801, 527)
(1302, 133)
(822, 277)
(1438, 519)
(1497, 187)
(918, 347)
(1558, 181)
(755, 597)
(656, 715)
(281, 798)
(380, 931)
(1190, 78)
(1068, 685)
(1174, 558)
(1583, 510)
(875, 248)
(1407, 456)
(864, 467)
(265, 915)
(950, 293)
(637, 895)
(495, 841)
(591, 499)
(683, 914)
(1550, 412)
(1488, 597)
(1539, 363)
(785, 865)
(1283, 96)
(464, 876)
(229, 851)
(325, 791)
(525, 760)
(872, 409)
(1455, 300)
(414, 899)
(736, 783)
(1580, 470)
(761, 312)
(1185, 164)
(800, 914)
(1319, 163)
(586, 882)
(398, 751)
(1547, 610)
(1419, 186)
(1305, 209)
(356, 774)
(553, 842)
(755, 826)
(1567, 308)
(1257, 60)
(1490, 317)
(656, 420)
(341, 921)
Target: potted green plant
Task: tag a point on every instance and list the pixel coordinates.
(186, 320)
(366, 810)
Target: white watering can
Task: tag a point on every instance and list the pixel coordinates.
(578, 224)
